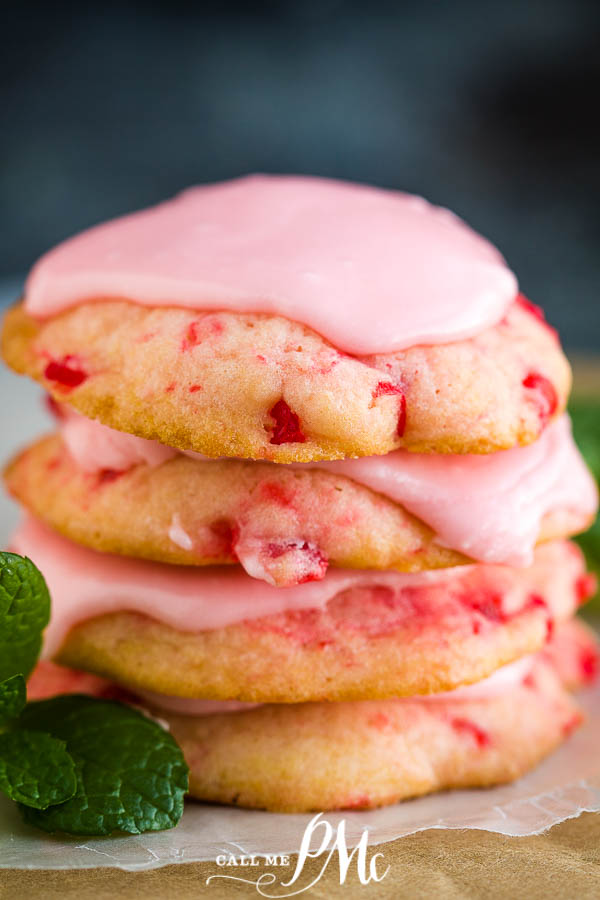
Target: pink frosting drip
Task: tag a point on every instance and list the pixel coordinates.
(85, 583)
(371, 270)
(96, 447)
(488, 507)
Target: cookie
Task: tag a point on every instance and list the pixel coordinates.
(358, 755)
(221, 635)
(287, 525)
(283, 525)
(264, 387)
(321, 756)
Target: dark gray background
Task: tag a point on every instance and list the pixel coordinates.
(488, 107)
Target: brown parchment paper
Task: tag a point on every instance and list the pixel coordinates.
(561, 863)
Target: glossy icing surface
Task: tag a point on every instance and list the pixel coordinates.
(489, 507)
(370, 270)
(84, 583)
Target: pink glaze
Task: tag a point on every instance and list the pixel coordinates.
(371, 270)
(85, 584)
(96, 447)
(489, 507)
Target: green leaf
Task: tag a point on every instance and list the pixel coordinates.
(13, 696)
(35, 769)
(131, 775)
(24, 613)
(585, 414)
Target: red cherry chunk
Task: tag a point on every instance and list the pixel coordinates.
(401, 427)
(287, 428)
(546, 394)
(533, 308)
(311, 564)
(386, 388)
(589, 664)
(465, 726)
(585, 587)
(66, 371)
(537, 312)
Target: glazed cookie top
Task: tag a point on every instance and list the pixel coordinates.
(86, 584)
(372, 271)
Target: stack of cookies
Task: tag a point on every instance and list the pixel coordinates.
(309, 494)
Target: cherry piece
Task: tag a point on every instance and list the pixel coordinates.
(287, 425)
(537, 312)
(311, 564)
(401, 427)
(589, 663)
(276, 492)
(532, 308)
(198, 331)
(488, 604)
(385, 388)
(481, 737)
(107, 476)
(65, 372)
(585, 587)
(547, 399)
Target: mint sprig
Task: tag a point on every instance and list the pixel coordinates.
(35, 769)
(74, 763)
(13, 696)
(24, 613)
(131, 775)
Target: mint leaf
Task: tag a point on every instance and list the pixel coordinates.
(131, 775)
(24, 613)
(35, 769)
(13, 696)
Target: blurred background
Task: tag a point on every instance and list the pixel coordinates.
(490, 108)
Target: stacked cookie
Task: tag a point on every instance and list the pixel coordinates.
(310, 491)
